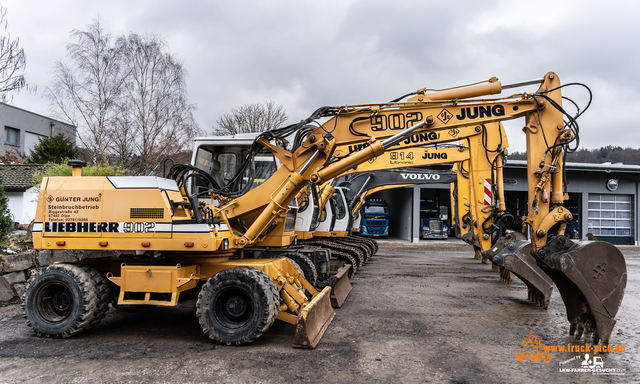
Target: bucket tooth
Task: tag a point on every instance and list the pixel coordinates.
(505, 274)
(341, 286)
(591, 277)
(313, 320)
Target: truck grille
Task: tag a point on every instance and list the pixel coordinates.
(377, 223)
(435, 225)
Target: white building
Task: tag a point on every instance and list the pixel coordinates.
(22, 132)
(17, 181)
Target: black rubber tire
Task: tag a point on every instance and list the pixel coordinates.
(237, 305)
(104, 291)
(63, 300)
(306, 266)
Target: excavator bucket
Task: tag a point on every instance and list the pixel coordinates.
(313, 320)
(515, 258)
(341, 286)
(591, 277)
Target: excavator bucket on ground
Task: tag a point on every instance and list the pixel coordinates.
(341, 286)
(512, 254)
(591, 277)
(515, 258)
(313, 320)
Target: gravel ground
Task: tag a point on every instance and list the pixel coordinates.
(424, 312)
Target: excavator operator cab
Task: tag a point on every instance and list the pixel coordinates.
(223, 158)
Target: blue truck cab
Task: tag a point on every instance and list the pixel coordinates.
(375, 218)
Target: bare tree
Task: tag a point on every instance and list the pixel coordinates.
(251, 118)
(154, 117)
(86, 90)
(129, 99)
(12, 63)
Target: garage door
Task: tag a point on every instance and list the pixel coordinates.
(611, 217)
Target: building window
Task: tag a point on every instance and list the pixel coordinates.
(12, 136)
(610, 215)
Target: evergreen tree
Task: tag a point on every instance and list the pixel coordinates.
(55, 149)
(6, 222)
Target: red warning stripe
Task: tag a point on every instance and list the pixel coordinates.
(487, 191)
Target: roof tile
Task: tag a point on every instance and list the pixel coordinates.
(19, 176)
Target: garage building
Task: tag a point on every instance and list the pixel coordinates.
(602, 197)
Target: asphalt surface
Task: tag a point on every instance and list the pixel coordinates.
(424, 312)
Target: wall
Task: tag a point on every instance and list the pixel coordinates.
(23, 205)
(18, 264)
(404, 202)
(28, 122)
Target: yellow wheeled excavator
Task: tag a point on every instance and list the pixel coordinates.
(185, 243)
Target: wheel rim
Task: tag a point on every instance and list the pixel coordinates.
(233, 307)
(54, 302)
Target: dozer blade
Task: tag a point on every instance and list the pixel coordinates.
(313, 320)
(591, 277)
(515, 258)
(341, 286)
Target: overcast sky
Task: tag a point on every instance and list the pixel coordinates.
(305, 54)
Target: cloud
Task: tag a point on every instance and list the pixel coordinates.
(303, 54)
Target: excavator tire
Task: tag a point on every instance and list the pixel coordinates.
(305, 266)
(366, 248)
(104, 291)
(348, 260)
(375, 245)
(363, 251)
(349, 254)
(370, 244)
(237, 305)
(65, 299)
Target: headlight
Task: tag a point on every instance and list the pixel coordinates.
(425, 228)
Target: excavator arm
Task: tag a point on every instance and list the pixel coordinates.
(448, 116)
